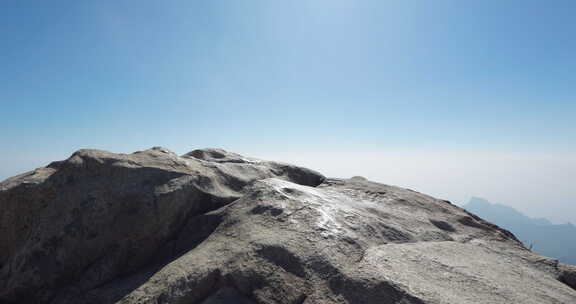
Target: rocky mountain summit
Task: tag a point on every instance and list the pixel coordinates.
(216, 227)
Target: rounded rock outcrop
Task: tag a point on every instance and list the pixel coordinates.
(216, 227)
(84, 221)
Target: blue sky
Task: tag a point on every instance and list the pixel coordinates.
(298, 79)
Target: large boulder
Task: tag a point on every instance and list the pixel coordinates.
(568, 275)
(215, 227)
(79, 223)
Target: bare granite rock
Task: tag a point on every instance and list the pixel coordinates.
(82, 222)
(568, 275)
(215, 227)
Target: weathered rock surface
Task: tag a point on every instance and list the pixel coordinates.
(216, 227)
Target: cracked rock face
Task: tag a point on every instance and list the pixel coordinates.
(216, 227)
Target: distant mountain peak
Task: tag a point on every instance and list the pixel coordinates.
(554, 240)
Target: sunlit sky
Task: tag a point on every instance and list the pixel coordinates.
(450, 98)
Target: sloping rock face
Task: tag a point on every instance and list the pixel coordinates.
(215, 227)
(97, 215)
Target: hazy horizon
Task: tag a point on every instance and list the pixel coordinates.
(453, 99)
(453, 175)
